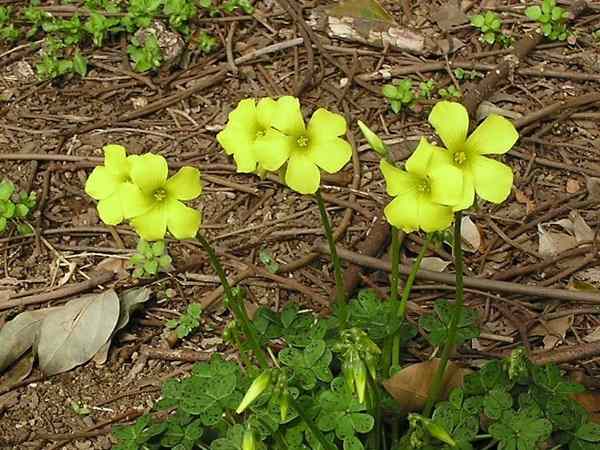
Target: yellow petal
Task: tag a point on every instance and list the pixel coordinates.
(182, 221)
(239, 142)
(302, 175)
(330, 155)
(265, 111)
(288, 117)
(324, 125)
(403, 212)
(468, 192)
(244, 114)
(101, 183)
(495, 135)
(273, 149)
(149, 172)
(115, 159)
(152, 225)
(446, 184)
(110, 210)
(185, 184)
(397, 181)
(451, 122)
(492, 179)
(433, 216)
(133, 200)
(418, 163)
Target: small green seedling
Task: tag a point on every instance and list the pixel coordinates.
(15, 207)
(231, 5)
(150, 259)
(147, 56)
(80, 408)
(450, 92)
(462, 74)
(188, 322)
(399, 95)
(179, 13)
(265, 257)
(8, 32)
(490, 26)
(99, 26)
(426, 89)
(206, 43)
(552, 18)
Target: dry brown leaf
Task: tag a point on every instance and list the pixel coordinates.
(554, 330)
(434, 264)
(18, 371)
(593, 187)
(411, 385)
(524, 200)
(572, 186)
(590, 400)
(581, 229)
(449, 15)
(593, 336)
(552, 243)
(471, 237)
(115, 265)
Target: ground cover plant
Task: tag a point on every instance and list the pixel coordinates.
(238, 229)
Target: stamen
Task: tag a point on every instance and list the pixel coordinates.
(302, 141)
(460, 157)
(160, 194)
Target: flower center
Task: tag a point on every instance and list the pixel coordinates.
(160, 194)
(259, 134)
(423, 186)
(460, 158)
(302, 141)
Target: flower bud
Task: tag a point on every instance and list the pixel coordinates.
(248, 441)
(374, 141)
(438, 432)
(360, 378)
(284, 404)
(257, 387)
(347, 371)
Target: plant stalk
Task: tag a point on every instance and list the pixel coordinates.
(312, 426)
(238, 310)
(340, 294)
(436, 385)
(395, 264)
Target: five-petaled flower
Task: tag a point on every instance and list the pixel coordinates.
(111, 184)
(424, 192)
(161, 199)
(490, 179)
(246, 127)
(304, 148)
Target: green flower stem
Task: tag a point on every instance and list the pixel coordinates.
(436, 385)
(395, 263)
(312, 426)
(340, 294)
(238, 310)
(411, 277)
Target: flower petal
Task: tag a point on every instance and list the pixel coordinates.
(101, 183)
(325, 124)
(330, 155)
(149, 172)
(468, 192)
(432, 216)
(273, 149)
(419, 161)
(403, 212)
(133, 200)
(239, 141)
(244, 114)
(302, 175)
(446, 185)
(152, 225)
(495, 135)
(288, 118)
(451, 122)
(115, 159)
(265, 111)
(182, 221)
(110, 210)
(185, 184)
(492, 179)
(398, 182)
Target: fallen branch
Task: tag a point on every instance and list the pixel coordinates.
(470, 282)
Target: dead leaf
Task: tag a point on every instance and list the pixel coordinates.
(115, 265)
(524, 200)
(73, 334)
(130, 301)
(581, 229)
(590, 400)
(593, 187)
(471, 238)
(19, 334)
(411, 385)
(18, 371)
(572, 186)
(449, 15)
(434, 264)
(554, 331)
(552, 243)
(594, 336)
(486, 108)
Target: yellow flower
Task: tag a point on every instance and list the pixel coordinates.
(491, 179)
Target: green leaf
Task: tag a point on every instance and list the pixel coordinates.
(489, 37)
(477, 21)
(266, 258)
(362, 423)
(533, 12)
(289, 314)
(344, 428)
(496, 402)
(158, 248)
(6, 190)
(164, 262)
(194, 310)
(353, 443)
(23, 229)
(389, 91)
(21, 210)
(313, 351)
(151, 267)
(589, 432)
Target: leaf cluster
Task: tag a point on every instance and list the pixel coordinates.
(150, 259)
(552, 18)
(188, 322)
(15, 207)
(490, 26)
(437, 324)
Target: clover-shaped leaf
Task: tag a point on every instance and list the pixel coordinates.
(437, 324)
(459, 417)
(496, 402)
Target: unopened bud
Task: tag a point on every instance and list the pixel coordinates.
(248, 441)
(257, 387)
(374, 141)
